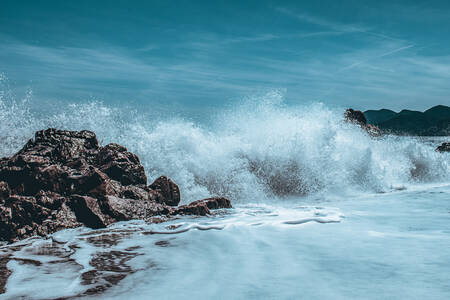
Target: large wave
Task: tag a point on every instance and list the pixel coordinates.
(258, 150)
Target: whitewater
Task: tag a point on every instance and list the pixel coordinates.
(321, 209)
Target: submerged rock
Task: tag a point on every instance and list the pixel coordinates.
(357, 117)
(65, 179)
(444, 147)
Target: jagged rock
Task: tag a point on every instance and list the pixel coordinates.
(216, 202)
(4, 191)
(373, 130)
(357, 117)
(202, 207)
(121, 165)
(444, 147)
(168, 191)
(65, 179)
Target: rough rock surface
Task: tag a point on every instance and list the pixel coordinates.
(357, 117)
(65, 179)
(444, 147)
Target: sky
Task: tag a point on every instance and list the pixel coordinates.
(199, 55)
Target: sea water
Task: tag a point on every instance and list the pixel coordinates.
(320, 210)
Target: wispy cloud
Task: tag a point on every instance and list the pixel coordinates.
(334, 26)
(322, 22)
(358, 63)
(204, 71)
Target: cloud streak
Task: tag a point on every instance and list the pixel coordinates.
(340, 64)
(356, 64)
(334, 26)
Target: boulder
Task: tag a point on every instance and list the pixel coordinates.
(121, 165)
(444, 147)
(357, 117)
(4, 191)
(65, 179)
(168, 192)
(202, 207)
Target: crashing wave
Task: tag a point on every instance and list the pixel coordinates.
(258, 150)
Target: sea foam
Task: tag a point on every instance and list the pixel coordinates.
(260, 149)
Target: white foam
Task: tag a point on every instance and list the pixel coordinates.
(259, 150)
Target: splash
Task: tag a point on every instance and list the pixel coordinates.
(259, 150)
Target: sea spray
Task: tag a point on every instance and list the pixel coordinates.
(260, 149)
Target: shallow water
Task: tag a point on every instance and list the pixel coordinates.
(377, 246)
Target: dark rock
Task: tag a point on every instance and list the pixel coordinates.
(168, 191)
(88, 212)
(357, 117)
(128, 209)
(4, 191)
(195, 208)
(121, 165)
(217, 202)
(444, 147)
(4, 271)
(65, 179)
(373, 130)
(202, 207)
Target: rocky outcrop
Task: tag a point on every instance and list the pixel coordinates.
(444, 147)
(65, 179)
(202, 207)
(358, 118)
(167, 190)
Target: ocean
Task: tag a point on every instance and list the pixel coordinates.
(320, 209)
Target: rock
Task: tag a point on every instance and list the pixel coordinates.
(4, 191)
(444, 147)
(373, 130)
(62, 146)
(87, 211)
(357, 117)
(216, 202)
(168, 191)
(65, 179)
(121, 165)
(202, 207)
(128, 209)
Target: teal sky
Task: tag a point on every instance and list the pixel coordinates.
(197, 55)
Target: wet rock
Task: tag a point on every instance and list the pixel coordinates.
(217, 202)
(444, 147)
(202, 207)
(65, 179)
(88, 212)
(4, 191)
(121, 165)
(109, 269)
(4, 271)
(373, 130)
(168, 191)
(357, 117)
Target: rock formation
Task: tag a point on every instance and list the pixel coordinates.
(65, 179)
(444, 147)
(357, 117)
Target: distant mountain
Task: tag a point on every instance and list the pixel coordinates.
(432, 122)
(377, 116)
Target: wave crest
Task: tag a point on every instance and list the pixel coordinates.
(258, 150)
